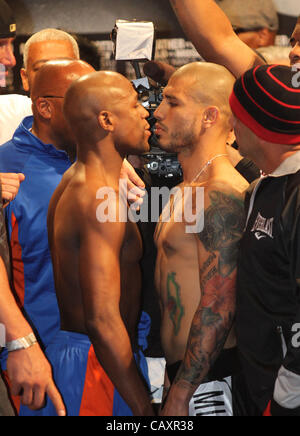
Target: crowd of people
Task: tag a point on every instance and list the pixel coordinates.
(72, 285)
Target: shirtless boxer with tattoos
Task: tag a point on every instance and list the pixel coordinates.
(196, 272)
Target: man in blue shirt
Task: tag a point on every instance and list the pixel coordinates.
(38, 150)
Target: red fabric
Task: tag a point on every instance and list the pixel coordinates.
(98, 392)
(17, 263)
(268, 410)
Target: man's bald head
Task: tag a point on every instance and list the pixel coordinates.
(49, 88)
(54, 77)
(196, 102)
(206, 83)
(99, 91)
(87, 97)
(104, 105)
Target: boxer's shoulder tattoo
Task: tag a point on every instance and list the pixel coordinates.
(174, 303)
(224, 220)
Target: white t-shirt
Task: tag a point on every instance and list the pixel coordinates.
(13, 109)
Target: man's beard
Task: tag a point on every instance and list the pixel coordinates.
(182, 139)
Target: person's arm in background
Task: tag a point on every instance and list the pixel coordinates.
(209, 29)
(28, 370)
(135, 185)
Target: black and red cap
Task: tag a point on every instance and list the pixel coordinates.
(267, 100)
(7, 21)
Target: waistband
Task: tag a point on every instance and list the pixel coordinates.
(71, 338)
(64, 337)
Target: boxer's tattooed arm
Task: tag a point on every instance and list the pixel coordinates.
(213, 320)
(224, 221)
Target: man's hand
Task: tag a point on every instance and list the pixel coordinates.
(10, 185)
(177, 403)
(30, 376)
(135, 185)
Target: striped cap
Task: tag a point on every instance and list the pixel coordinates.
(267, 100)
(7, 21)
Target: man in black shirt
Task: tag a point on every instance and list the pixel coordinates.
(265, 103)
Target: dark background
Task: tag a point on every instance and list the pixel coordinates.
(96, 18)
(91, 16)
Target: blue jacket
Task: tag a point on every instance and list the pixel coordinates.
(43, 166)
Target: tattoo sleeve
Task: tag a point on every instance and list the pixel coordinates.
(213, 320)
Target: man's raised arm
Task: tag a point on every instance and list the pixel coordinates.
(209, 29)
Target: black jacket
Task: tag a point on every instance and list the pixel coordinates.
(268, 298)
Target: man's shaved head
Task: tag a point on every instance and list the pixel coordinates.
(105, 102)
(196, 99)
(94, 93)
(54, 77)
(208, 84)
(48, 90)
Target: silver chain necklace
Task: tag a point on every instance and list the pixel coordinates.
(209, 162)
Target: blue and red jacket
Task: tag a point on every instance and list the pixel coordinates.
(33, 282)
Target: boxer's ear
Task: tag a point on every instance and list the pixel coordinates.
(43, 107)
(24, 78)
(210, 116)
(106, 121)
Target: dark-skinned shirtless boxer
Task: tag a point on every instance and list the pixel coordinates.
(96, 264)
